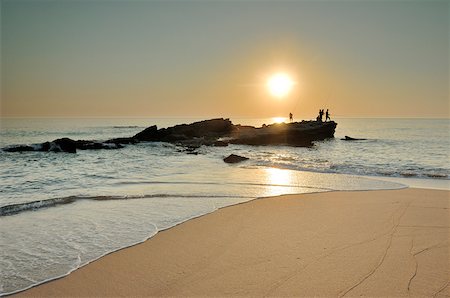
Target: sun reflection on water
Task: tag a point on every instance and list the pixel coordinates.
(279, 181)
(276, 176)
(284, 181)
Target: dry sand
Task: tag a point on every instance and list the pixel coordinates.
(373, 243)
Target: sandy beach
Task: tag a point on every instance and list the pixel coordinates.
(370, 243)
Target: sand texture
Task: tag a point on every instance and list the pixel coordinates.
(370, 243)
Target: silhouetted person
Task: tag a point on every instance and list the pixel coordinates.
(291, 117)
(327, 116)
(320, 115)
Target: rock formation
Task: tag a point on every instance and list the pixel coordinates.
(214, 132)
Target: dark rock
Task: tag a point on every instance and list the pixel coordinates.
(45, 146)
(347, 138)
(204, 132)
(148, 134)
(23, 148)
(213, 128)
(233, 158)
(84, 144)
(92, 145)
(64, 145)
(212, 132)
(220, 144)
(292, 134)
(123, 141)
(19, 148)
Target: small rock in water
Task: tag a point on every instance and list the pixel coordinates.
(233, 158)
(347, 138)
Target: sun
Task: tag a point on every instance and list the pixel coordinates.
(280, 84)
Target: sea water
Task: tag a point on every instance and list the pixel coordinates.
(60, 211)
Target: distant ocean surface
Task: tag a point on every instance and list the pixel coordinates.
(60, 211)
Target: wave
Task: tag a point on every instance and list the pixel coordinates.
(29, 147)
(215, 183)
(28, 206)
(13, 209)
(326, 167)
(437, 175)
(420, 175)
(41, 204)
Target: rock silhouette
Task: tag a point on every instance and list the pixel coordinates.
(214, 132)
(347, 138)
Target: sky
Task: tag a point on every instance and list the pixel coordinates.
(186, 58)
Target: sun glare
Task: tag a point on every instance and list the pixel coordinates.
(279, 119)
(280, 84)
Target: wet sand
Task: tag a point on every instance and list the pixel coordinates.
(372, 243)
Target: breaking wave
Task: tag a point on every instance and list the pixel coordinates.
(36, 205)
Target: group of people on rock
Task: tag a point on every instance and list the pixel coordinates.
(320, 117)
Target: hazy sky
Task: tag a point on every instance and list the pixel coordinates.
(213, 58)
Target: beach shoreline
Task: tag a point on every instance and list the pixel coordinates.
(379, 243)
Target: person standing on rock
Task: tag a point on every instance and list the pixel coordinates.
(327, 116)
(320, 115)
(291, 117)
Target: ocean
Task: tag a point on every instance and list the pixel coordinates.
(60, 211)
